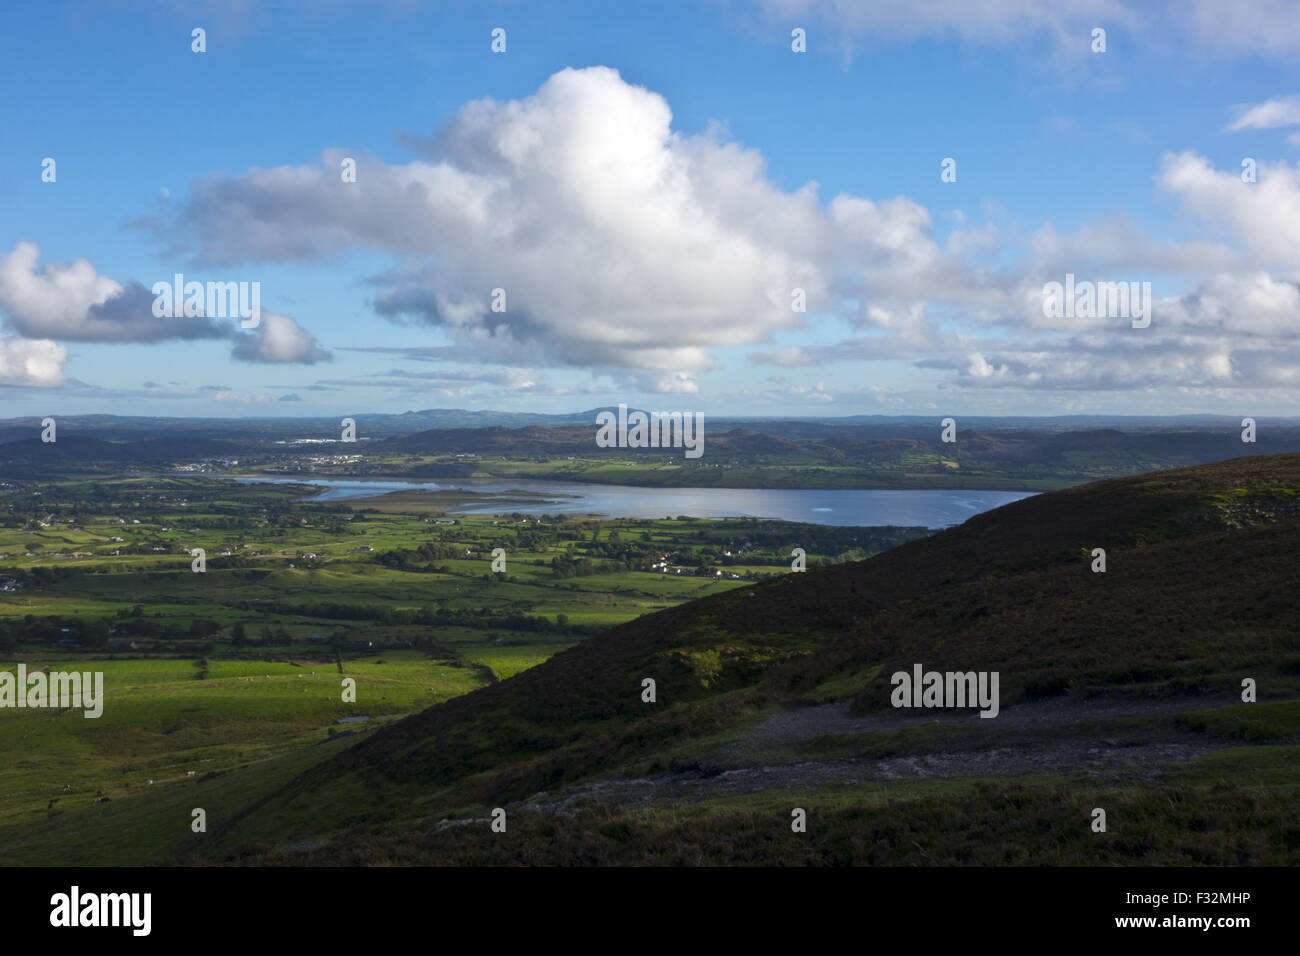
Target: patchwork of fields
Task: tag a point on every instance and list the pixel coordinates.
(220, 685)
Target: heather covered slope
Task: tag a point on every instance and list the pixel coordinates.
(1202, 589)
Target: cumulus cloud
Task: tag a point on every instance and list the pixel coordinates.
(31, 362)
(72, 302)
(628, 248)
(1232, 331)
(890, 248)
(1263, 216)
(1093, 363)
(279, 339)
(615, 241)
(1246, 305)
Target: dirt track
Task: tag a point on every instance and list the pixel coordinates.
(1059, 735)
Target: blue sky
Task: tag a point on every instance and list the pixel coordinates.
(636, 176)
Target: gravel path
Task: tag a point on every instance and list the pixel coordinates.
(793, 727)
(761, 759)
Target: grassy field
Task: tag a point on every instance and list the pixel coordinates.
(97, 550)
(162, 722)
(221, 685)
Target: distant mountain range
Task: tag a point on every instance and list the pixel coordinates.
(383, 425)
(850, 452)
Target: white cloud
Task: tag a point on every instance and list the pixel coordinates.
(1270, 27)
(278, 339)
(790, 356)
(994, 21)
(1239, 305)
(630, 249)
(1264, 216)
(1114, 245)
(58, 297)
(1243, 26)
(241, 398)
(619, 243)
(1270, 114)
(72, 302)
(32, 362)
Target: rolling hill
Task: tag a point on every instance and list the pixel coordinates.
(1118, 689)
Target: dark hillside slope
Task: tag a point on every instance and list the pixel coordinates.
(1202, 588)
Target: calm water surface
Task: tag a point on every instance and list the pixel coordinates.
(931, 509)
